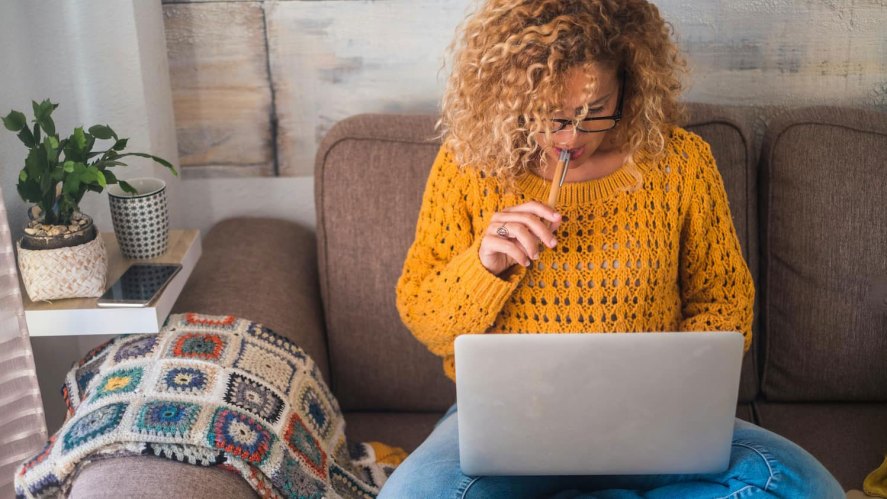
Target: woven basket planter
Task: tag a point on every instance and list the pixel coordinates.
(72, 272)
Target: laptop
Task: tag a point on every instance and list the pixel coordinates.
(596, 404)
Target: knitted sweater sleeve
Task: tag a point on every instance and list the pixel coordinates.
(444, 290)
(717, 292)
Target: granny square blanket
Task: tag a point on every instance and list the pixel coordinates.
(210, 391)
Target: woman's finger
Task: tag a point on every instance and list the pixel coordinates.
(536, 208)
(517, 230)
(539, 228)
(491, 245)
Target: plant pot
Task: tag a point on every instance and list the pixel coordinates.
(141, 221)
(83, 235)
(71, 265)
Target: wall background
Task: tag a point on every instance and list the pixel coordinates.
(257, 84)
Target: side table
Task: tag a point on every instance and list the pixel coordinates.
(81, 316)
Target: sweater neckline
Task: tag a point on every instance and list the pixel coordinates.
(577, 193)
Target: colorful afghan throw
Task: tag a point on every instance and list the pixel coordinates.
(211, 391)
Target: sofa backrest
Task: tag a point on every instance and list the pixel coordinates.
(824, 207)
(369, 177)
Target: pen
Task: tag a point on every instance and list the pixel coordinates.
(560, 173)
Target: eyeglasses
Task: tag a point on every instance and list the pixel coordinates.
(591, 125)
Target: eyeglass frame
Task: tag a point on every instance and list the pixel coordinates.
(617, 117)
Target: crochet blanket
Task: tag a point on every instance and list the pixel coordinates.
(210, 391)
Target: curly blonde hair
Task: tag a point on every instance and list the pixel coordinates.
(508, 76)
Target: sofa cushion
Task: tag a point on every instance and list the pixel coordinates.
(242, 257)
(728, 132)
(148, 476)
(369, 177)
(825, 264)
(745, 411)
(401, 429)
(848, 439)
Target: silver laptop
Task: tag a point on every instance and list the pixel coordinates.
(596, 404)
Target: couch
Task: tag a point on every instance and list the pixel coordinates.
(807, 190)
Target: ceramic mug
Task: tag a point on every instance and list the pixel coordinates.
(141, 221)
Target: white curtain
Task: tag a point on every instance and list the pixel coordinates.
(22, 422)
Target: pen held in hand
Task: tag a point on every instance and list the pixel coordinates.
(560, 173)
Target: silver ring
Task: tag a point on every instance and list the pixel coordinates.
(502, 231)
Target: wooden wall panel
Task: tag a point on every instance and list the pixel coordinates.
(333, 59)
(222, 98)
(784, 52)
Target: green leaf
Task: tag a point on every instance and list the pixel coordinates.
(155, 158)
(32, 164)
(48, 125)
(36, 163)
(87, 176)
(77, 142)
(37, 138)
(42, 116)
(50, 145)
(30, 191)
(126, 187)
(101, 131)
(45, 108)
(109, 176)
(78, 138)
(27, 137)
(67, 167)
(22, 175)
(92, 175)
(103, 164)
(72, 185)
(15, 121)
(120, 145)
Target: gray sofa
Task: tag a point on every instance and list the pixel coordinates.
(808, 200)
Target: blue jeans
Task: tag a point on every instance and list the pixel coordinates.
(762, 464)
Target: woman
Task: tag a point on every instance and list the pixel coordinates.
(640, 239)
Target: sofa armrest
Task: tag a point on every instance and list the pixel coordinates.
(148, 476)
(264, 270)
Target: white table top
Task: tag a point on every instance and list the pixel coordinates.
(81, 316)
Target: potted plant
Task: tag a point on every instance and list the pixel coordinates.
(60, 254)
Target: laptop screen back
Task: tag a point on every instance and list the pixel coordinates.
(585, 404)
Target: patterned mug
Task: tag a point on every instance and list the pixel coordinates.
(141, 221)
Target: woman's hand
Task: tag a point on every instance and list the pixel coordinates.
(514, 234)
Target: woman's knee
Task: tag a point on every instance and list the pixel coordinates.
(782, 468)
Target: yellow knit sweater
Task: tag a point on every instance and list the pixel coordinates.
(662, 258)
